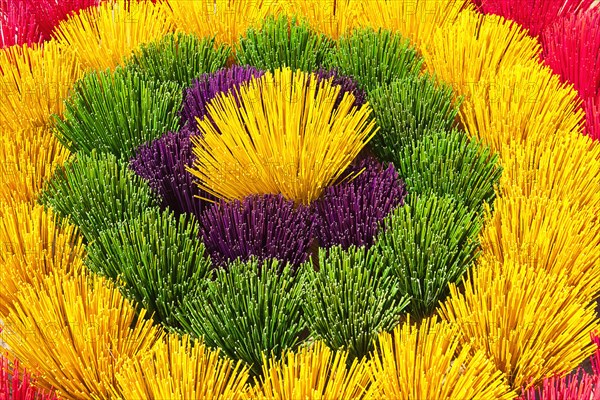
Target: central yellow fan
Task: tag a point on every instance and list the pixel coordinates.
(287, 137)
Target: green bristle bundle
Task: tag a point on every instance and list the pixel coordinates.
(375, 58)
(351, 298)
(283, 42)
(96, 192)
(179, 58)
(115, 112)
(429, 245)
(450, 164)
(407, 109)
(250, 308)
(156, 258)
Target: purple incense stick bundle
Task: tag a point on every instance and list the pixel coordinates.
(163, 164)
(349, 213)
(347, 83)
(267, 226)
(207, 87)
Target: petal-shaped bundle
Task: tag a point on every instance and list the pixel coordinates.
(529, 330)
(76, 331)
(571, 48)
(535, 15)
(35, 81)
(177, 368)
(226, 20)
(266, 226)
(427, 361)
(17, 384)
(285, 138)
(314, 372)
(34, 243)
(30, 156)
(549, 235)
(350, 213)
(101, 37)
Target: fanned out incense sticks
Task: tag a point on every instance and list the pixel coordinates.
(240, 170)
(96, 192)
(558, 168)
(517, 112)
(450, 164)
(350, 213)
(34, 82)
(429, 244)
(283, 140)
(178, 58)
(224, 19)
(331, 17)
(207, 87)
(176, 367)
(19, 25)
(34, 244)
(28, 22)
(507, 94)
(76, 332)
(460, 53)
(351, 296)
(30, 156)
(576, 386)
(535, 15)
(115, 112)
(249, 309)
(49, 13)
(312, 371)
(592, 118)
(427, 361)
(163, 164)
(123, 24)
(528, 331)
(571, 47)
(227, 81)
(282, 42)
(156, 259)
(258, 227)
(406, 110)
(374, 57)
(17, 383)
(549, 235)
(415, 20)
(347, 84)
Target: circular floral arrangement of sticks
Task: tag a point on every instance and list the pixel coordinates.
(378, 202)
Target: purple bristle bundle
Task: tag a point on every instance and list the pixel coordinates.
(348, 85)
(207, 87)
(349, 213)
(163, 164)
(267, 226)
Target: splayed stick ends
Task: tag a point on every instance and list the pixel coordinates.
(283, 139)
(313, 371)
(207, 87)
(349, 213)
(571, 47)
(259, 226)
(163, 164)
(248, 309)
(17, 383)
(534, 15)
(175, 367)
(428, 362)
